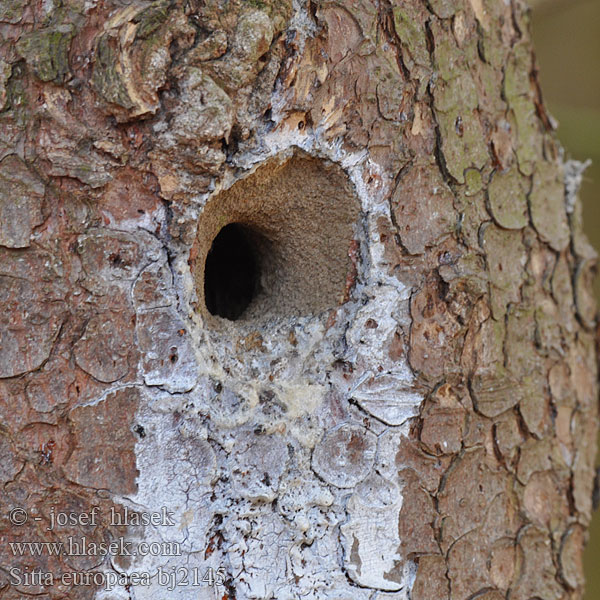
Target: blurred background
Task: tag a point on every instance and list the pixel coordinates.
(567, 38)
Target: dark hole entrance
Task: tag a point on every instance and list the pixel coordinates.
(231, 273)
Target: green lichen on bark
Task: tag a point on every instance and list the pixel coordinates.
(106, 78)
(11, 11)
(518, 94)
(151, 18)
(456, 104)
(547, 206)
(411, 34)
(443, 8)
(133, 56)
(5, 73)
(46, 51)
(507, 197)
(17, 102)
(506, 258)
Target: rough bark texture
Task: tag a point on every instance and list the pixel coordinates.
(425, 428)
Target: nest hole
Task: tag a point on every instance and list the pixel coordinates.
(276, 243)
(231, 273)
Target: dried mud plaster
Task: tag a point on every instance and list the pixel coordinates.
(400, 402)
(299, 219)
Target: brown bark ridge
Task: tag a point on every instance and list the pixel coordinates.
(379, 383)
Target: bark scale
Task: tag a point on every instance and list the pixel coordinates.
(405, 402)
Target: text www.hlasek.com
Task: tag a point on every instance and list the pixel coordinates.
(83, 547)
(169, 578)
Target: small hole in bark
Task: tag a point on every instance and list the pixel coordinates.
(458, 125)
(139, 429)
(115, 260)
(231, 273)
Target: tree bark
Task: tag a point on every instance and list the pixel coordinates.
(303, 288)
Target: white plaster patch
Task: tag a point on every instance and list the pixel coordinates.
(230, 391)
(345, 455)
(280, 530)
(370, 536)
(167, 357)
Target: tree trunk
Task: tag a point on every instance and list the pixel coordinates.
(299, 290)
